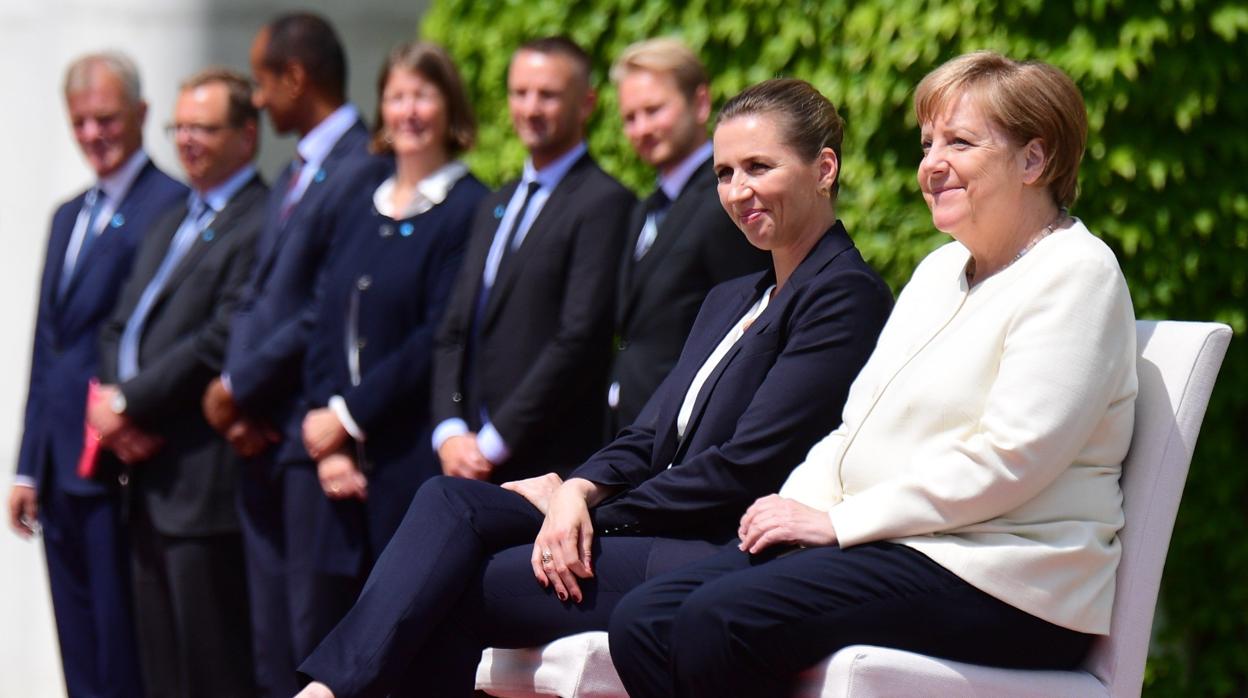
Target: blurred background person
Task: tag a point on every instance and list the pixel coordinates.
(523, 352)
(766, 369)
(299, 68)
(90, 249)
(164, 343)
(968, 505)
(367, 370)
(680, 241)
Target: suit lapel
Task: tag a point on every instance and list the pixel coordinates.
(113, 228)
(210, 236)
(716, 331)
(554, 207)
(63, 230)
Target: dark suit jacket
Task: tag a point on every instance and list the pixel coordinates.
(697, 247)
(270, 329)
(188, 486)
(778, 390)
(545, 336)
(65, 353)
(384, 291)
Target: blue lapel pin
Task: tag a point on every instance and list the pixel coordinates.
(208, 235)
(406, 229)
(499, 210)
(320, 175)
(118, 220)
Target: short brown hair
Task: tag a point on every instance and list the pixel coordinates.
(663, 55)
(238, 88)
(1027, 100)
(562, 46)
(808, 120)
(434, 64)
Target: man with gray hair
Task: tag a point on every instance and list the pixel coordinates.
(90, 250)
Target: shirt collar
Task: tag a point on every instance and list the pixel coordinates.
(550, 176)
(430, 191)
(118, 183)
(314, 147)
(674, 182)
(220, 195)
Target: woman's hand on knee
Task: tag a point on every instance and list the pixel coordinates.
(562, 551)
(537, 490)
(775, 520)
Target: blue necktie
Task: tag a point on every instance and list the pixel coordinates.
(93, 204)
(192, 225)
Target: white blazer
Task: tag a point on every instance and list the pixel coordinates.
(988, 428)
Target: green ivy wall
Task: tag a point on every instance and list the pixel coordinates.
(1165, 183)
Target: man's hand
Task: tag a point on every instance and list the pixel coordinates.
(133, 445)
(461, 458)
(23, 510)
(107, 423)
(341, 478)
(219, 408)
(323, 433)
(250, 438)
(536, 489)
(775, 520)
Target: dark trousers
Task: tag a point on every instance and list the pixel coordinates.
(87, 555)
(261, 519)
(190, 604)
(742, 625)
(456, 578)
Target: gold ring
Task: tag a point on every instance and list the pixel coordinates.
(547, 558)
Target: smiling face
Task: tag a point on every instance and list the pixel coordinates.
(972, 175)
(413, 113)
(107, 126)
(209, 148)
(549, 103)
(661, 123)
(773, 194)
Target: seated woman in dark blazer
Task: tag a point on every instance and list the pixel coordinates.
(397, 250)
(764, 371)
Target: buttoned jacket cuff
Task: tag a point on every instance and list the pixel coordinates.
(339, 407)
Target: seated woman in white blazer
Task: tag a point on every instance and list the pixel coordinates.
(968, 505)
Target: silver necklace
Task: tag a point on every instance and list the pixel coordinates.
(1047, 230)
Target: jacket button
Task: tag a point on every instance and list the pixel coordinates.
(457, 397)
(364, 282)
(361, 343)
(621, 345)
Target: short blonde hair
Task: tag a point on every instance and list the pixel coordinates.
(1027, 100)
(663, 55)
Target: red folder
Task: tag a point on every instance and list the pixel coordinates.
(90, 437)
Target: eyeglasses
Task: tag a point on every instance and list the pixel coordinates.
(195, 130)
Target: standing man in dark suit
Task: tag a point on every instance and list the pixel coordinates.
(681, 242)
(163, 344)
(90, 250)
(524, 348)
(300, 71)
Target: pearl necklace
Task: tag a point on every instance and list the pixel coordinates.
(1047, 230)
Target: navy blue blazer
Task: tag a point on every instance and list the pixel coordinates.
(270, 330)
(383, 293)
(66, 353)
(777, 391)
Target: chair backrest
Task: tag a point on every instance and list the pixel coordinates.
(1178, 364)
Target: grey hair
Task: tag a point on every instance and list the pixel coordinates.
(78, 76)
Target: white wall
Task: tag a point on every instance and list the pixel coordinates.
(40, 167)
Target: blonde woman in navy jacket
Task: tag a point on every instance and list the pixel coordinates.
(396, 252)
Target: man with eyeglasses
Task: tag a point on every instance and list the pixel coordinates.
(163, 344)
(90, 250)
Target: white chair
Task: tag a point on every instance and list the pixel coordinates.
(1178, 364)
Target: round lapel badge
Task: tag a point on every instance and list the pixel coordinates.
(406, 229)
(320, 175)
(499, 210)
(118, 220)
(208, 235)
